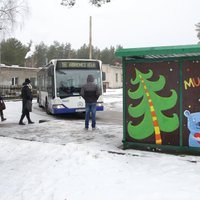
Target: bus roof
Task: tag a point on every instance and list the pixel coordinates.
(73, 59)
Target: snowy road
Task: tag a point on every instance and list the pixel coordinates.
(107, 116)
(67, 128)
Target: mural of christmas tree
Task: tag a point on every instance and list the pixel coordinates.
(150, 108)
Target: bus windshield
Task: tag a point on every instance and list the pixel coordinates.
(70, 81)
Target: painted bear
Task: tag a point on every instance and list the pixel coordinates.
(193, 124)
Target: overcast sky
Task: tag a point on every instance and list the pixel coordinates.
(130, 23)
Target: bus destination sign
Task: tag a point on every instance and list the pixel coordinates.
(77, 64)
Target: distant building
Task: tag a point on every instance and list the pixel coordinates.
(15, 75)
(113, 75)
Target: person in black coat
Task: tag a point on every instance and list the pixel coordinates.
(1, 109)
(27, 97)
(90, 92)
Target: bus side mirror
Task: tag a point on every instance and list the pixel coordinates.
(50, 71)
(103, 76)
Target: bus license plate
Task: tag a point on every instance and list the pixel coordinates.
(80, 110)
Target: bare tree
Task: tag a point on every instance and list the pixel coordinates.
(71, 3)
(12, 13)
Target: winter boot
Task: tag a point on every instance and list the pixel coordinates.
(21, 120)
(2, 117)
(21, 123)
(29, 120)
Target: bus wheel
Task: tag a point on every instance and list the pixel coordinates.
(46, 107)
(81, 115)
(38, 101)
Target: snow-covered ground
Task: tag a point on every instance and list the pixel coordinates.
(58, 160)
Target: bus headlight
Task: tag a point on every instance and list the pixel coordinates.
(58, 106)
(99, 104)
(80, 104)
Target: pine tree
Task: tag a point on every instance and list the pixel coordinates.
(151, 108)
(13, 52)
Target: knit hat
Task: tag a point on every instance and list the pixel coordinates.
(90, 78)
(27, 81)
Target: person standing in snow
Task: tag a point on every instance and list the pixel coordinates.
(90, 92)
(2, 107)
(27, 97)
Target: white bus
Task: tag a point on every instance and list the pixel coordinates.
(60, 82)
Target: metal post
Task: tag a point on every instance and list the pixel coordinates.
(90, 38)
(0, 40)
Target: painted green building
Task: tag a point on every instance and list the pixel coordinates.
(161, 98)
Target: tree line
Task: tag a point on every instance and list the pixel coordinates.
(13, 52)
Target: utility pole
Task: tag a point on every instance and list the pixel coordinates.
(1, 29)
(90, 38)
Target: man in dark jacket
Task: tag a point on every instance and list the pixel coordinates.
(90, 92)
(27, 97)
